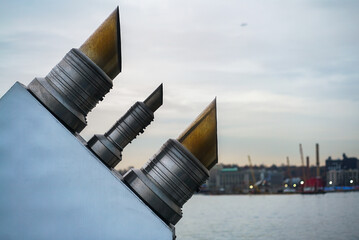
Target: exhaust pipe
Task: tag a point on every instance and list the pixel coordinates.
(108, 147)
(83, 77)
(176, 172)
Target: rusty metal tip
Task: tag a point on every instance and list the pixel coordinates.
(155, 100)
(103, 47)
(200, 138)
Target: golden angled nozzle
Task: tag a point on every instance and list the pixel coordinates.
(103, 47)
(200, 138)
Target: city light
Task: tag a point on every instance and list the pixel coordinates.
(301, 182)
(251, 186)
(285, 185)
(294, 185)
(330, 182)
(351, 181)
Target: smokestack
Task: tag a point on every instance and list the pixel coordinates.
(178, 170)
(302, 159)
(317, 156)
(83, 77)
(308, 168)
(108, 147)
(289, 172)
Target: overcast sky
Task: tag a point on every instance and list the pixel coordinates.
(284, 72)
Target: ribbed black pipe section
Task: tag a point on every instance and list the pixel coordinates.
(108, 147)
(168, 180)
(176, 171)
(135, 120)
(72, 89)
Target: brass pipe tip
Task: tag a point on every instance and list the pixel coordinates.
(200, 138)
(103, 47)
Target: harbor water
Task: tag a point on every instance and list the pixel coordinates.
(295, 216)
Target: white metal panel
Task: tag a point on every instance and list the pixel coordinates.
(52, 187)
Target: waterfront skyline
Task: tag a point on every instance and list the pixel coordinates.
(283, 72)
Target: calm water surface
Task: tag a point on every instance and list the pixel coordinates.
(326, 216)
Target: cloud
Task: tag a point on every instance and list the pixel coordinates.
(289, 75)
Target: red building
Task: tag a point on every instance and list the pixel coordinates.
(313, 185)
